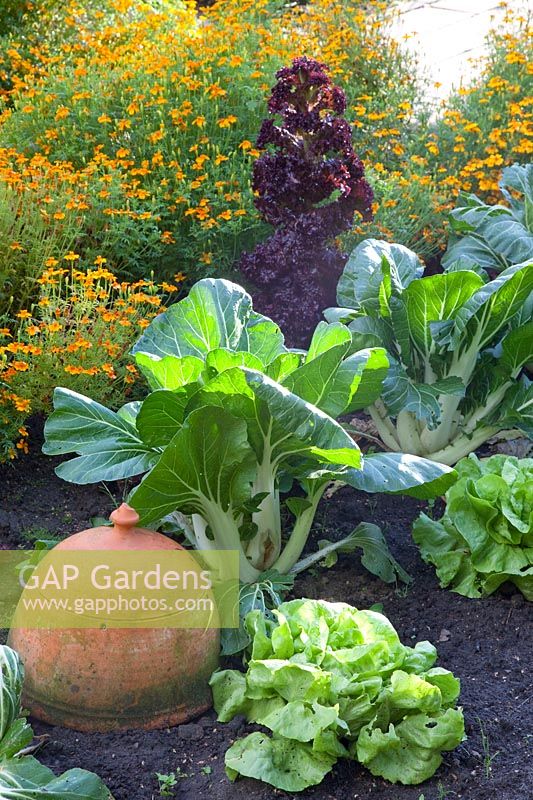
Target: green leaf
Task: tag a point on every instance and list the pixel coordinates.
(410, 752)
(283, 365)
(494, 237)
(297, 505)
(364, 373)
(329, 680)
(399, 473)
(315, 380)
(283, 763)
(26, 779)
(169, 372)
(207, 461)
(261, 596)
(371, 332)
(420, 658)
(337, 384)
(448, 685)
(11, 681)
(433, 299)
(517, 348)
(360, 283)
(376, 556)
(109, 446)
(327, 336)
(408, 692)
(17, 737)
(222, 359)
(229, 693)
(519, 177)
(215, 314)
(491, 307)
(401, 393)
(262, 338)
(298, 721)
(290, 680)
(129, 412)
(517, 408)
(485, 536)
(161, 416)
(305, 425)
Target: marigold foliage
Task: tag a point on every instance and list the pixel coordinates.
(78, 334)
(153, 163)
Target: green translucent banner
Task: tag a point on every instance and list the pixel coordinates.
(119, 589)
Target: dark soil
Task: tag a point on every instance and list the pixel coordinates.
(489, 644)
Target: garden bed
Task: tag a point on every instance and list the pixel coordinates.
(488, 644)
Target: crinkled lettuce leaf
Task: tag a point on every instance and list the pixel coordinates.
(284, 763)
(329, 681)
(485, 537)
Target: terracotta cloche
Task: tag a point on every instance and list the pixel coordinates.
(114, 679)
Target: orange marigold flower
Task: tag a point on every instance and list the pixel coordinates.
(215, 91)
(227, 122)
(24, 314)
(62, 112)
(70, 256)
(20, 366)
(108, 370)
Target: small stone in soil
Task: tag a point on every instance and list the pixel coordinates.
(191, 731)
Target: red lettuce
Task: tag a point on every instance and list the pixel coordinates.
(308, 184)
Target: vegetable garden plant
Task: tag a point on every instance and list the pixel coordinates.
(234, 419)
(493, 237)
(485, 536)
(456, 346)
(333, 682)
(21, 776)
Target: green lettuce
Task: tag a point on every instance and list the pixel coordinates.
(486, 534)
(330, 682)
(22, 777)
